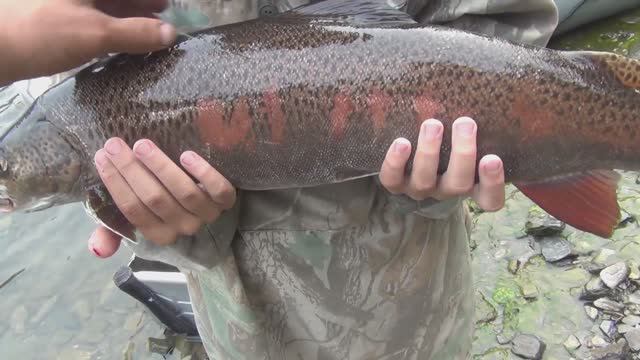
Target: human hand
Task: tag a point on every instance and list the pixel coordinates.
(458, 180)
(156, 195)
(44, 37)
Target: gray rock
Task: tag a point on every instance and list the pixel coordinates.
(624, 328)
(592, 312)
(485, 312)
(529, 291)
(528, 346)
(598, 341)
(634, 298)
(633, 338)
(540, 223)
(571, 343)
(513, 266)
(593, 268)
(608, 305)
(631, 320)
(616, 351)
(505, 338)
(634, 271)
(584, 336)
(555, 248)
(604, 256)
(614, 274)
(594, 288)
(608, 327)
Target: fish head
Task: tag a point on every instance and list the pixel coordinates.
(39, 166)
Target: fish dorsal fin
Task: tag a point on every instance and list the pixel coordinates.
(586, 201)
(625, 69)
(354, 12)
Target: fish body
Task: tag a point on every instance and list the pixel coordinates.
(300, 101)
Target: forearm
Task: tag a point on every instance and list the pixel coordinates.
(10, 70)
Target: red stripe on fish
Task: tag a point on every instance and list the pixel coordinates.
(219, 132)
(535, 122)
(342, 108)
(378, 103)
(426, 108)
(275, 115)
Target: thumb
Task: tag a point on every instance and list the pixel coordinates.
(137, 35)
(103, 243)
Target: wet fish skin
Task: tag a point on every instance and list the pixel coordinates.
(291, 102)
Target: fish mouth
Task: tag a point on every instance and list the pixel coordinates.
(6, 205)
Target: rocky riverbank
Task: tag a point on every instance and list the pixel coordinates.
(545, 290)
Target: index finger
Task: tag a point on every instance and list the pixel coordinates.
(131, 8)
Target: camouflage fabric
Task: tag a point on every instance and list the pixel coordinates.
(344, 271)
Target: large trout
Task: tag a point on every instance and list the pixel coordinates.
(303, 99)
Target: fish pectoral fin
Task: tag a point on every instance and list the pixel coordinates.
(586, 201)
(364, 12)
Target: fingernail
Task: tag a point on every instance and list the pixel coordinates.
(401, 146)
(99, 160)
(493, 166)
(142, 148)
(431, 129)
(92, 245)
(167, 34)
(188, 158)
(465, 127)
(113, 146)
(95, 251)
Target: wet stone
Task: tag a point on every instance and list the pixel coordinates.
(571, 343)
(159, 346)
(500, 253)
(631, 320)
(633, 309)
(615, 316)
(616, 351)
(594, 268)
(614, 274)
(592, 312)
(595, 288)
(608, 305)
(584, 336)
(513, 266)
(634, 298)
(528, 346)
(608, 328)
(633, 338)
(529, 291)
(634, 271)
(485, 312)
(624, 328)
(540, 223)
(598, 341)
(604, 256)
(555, 248)
(505, 338)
